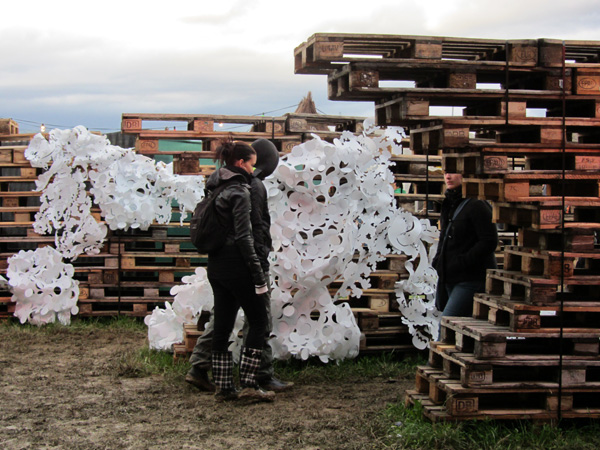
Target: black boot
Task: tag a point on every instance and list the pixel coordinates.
(222, 368)
(199, 379)
(249, 364)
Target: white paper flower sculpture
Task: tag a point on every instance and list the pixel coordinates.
(42, 286)
(131, 190)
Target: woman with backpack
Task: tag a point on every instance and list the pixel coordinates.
(236, 275)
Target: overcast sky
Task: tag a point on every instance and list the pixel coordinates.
(67, 63)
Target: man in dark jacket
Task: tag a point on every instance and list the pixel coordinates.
(267, 160)
(466, 249)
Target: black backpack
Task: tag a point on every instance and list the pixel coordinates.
(207, 233)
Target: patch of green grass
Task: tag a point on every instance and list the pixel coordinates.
(363, 368)
(146, 362)
(407, 428)
(77, 325)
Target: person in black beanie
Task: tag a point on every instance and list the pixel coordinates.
(468, 240)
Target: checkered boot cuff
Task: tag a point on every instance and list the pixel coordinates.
(222, 369)
(249, 364)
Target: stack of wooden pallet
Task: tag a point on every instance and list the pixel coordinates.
(208, 130)
(528, 141)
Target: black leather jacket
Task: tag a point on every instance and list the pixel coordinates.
(234, 207)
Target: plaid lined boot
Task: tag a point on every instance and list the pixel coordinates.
(249, 364)
(222, 368)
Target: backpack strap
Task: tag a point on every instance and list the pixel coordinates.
(457, 211)
(216, 191)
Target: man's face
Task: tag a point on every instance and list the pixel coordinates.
(452, 180)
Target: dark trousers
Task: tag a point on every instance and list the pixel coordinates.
(230, 295)
(201, 357)
(460, 297)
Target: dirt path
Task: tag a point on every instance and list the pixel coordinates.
(61, 391)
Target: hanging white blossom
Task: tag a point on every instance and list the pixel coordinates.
(416, 296)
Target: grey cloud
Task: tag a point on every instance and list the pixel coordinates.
(239, 9)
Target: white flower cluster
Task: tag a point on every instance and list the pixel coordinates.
(65, 206)
(43, 287)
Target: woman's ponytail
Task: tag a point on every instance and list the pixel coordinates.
(231, 151)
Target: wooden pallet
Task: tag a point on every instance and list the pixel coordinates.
(452, 134)
(322, 53)
(533, 185)
(128, 306)
(488, 341)
(523, 370)
(550, 264)
(483, 162)
(534, 290)
(456, 402)
(284, 131)
(373, 80)
(571, 239)
(521, 317)
(546, 213)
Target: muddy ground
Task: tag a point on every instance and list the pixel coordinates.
(68, 390)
